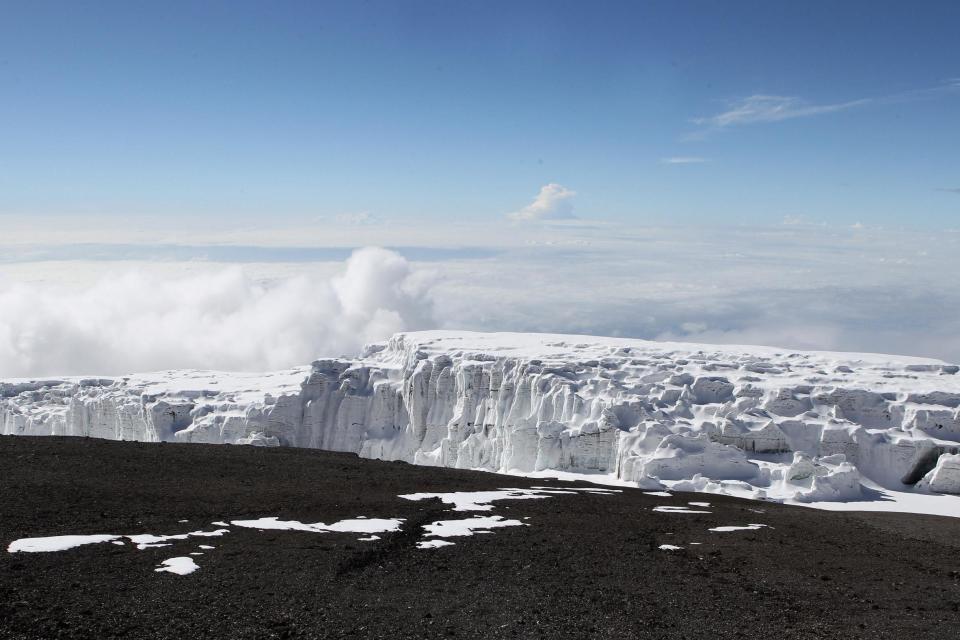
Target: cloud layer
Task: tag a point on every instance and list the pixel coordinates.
(796, 286)
(221, 319)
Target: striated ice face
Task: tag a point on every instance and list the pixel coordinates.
(750, 421)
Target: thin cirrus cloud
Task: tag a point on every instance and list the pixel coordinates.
(950, 190)
(760, 108)
(554, 202)
(766, 108)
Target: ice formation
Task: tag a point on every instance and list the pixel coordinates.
(751, 421)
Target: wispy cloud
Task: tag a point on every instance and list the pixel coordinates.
(684, 160)
(948, 190)
(774, 108)
(554, 202)
(765, 108)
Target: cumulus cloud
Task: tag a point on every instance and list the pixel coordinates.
(222, 319)
(554, 202)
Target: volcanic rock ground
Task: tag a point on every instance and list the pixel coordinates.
(586, 566)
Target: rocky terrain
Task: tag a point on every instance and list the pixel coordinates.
(609, 564)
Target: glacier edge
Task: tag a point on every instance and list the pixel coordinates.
(753, 421)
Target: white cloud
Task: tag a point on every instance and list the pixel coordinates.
(765, 108)
(683, 160)
(772, 108)
(554, 202)
(220, 319)
(797, 286)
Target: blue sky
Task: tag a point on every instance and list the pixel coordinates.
(453, 110)
(749, 172)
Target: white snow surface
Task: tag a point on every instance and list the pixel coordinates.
(181, 566)
(148, 540)
(433, 544)
(141, 540)
(680, 509)
(56, 543)
(468, 526)
(726, 529)
(814, 428)
(482, 500)
(358, 525)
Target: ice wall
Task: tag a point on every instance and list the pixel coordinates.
(750, 420)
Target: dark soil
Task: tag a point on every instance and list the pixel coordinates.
(587, 566)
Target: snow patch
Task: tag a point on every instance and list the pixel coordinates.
(671, 509)
(356, 525)
(749, 527)
(468, 526)
(56, 543)
(433, 544)
(147, 540)
(181, 566)
(482, 500)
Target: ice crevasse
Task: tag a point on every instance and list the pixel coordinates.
(754, 421)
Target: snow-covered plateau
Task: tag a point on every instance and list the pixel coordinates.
(859, 430)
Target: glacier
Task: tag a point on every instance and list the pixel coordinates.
(758, 422)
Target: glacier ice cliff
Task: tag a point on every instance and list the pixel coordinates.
(754, 421)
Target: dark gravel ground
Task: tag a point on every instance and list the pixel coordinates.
(587, 566)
